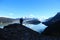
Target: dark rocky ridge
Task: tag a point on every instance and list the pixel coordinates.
(18, 32)
(2, 33)
(53, 24)
(53, 29)
(51, 20)
(21, 32)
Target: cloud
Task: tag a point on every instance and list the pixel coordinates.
(11, 14)
(6, 16)
(31, 16)
(38, 17)
(42, 18)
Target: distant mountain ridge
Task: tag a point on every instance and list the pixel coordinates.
(52, 19)
(6, 21)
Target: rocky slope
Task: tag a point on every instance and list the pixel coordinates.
(52, 20)
(20, 32)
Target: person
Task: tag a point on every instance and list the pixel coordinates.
(21, 21)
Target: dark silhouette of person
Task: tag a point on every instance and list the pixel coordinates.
(21, 21)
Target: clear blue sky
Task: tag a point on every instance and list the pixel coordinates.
(22, 8)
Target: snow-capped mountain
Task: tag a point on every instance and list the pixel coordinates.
(30, 21)
(6, 21)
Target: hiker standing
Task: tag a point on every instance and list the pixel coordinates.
(21, 21)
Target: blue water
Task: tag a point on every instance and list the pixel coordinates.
(38, 28)
(1, 26)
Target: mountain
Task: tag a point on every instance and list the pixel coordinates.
(53, 24)
(53, 29)
(5, 21)
(19, 32)
(33, 21)
(52, 19)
